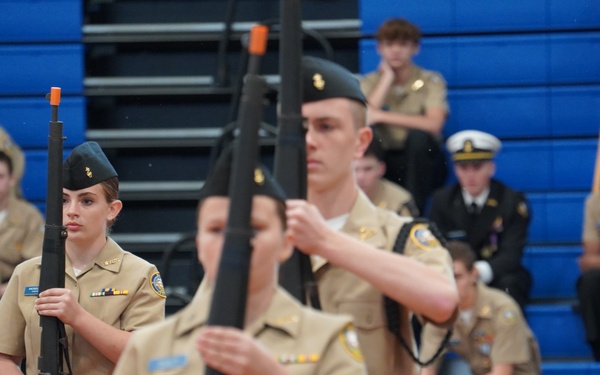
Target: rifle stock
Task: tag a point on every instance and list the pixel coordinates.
(228, 305)
(52, 275)
(290, 154)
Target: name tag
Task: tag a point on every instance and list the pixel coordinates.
(167, 363)
(32, 290)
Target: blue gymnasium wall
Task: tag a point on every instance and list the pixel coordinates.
(41, 47)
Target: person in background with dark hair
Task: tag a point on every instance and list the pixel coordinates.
(491, 334)
(108, 292)
(280, 335)
(351, 242)
(407, 109)
(369, 171)
(490, 216)
(588, 285)
(21, 225)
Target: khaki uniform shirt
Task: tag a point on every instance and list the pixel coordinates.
(496, 333)
(591, 220)
(342, 292)
(114, 268)
(17, 157)
(424, 90)
(21, 236)
(395, 198)
(306, 341)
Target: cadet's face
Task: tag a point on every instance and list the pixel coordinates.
(368, 171)
(333, 141)
(6, 181)
(86, 211)
(270, 246)
(465, 280)
(397, 53)
(474, 177)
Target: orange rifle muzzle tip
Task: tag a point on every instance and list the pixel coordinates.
(55, 96)
(258, 40)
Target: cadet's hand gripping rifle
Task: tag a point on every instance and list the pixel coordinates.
(53, 348)
(230, 291)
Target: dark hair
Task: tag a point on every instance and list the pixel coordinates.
(375, 149)
(111, 193)
(461, 251)
(6, 159)
(398, 29)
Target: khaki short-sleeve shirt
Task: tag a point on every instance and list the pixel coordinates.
(394, 197)
(120, 289)
(424, 90)
(343, 292)
(21, 236)
(305, 341)
(496, 333)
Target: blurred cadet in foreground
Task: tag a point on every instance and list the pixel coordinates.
(280, 335)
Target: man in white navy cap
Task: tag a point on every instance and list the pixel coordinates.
(480, 210)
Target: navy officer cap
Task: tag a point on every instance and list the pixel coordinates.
(217, 184)
(86, 166)
(473, 146)
(323, 79)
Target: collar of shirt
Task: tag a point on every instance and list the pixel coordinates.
(478, 200)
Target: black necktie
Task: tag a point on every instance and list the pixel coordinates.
(474, 208)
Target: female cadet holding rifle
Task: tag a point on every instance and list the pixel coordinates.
(108, 292)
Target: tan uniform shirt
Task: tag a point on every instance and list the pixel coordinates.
(17, 157)
(393, 197)
(424, 90)
(591, 220)
(306, 341)
(496, 333)
(143, 303)
(21, 236)
(343, 292)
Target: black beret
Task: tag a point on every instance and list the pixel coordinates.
(86, 166)
(217, 184)
(324, 79)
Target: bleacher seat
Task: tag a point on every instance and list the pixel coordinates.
(35, 179)
(28, 120)
(559, 331)
(554, 270)
(33, 68)
(48, 20)
(459, 16)
(527, 112)
(569, 368)
(505, 60)
(556, 217)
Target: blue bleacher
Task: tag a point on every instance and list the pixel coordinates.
(528, 72)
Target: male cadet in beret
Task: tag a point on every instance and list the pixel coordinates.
(280, 335)
(382, 192)
(491, 334)
(588, 285)
(108, 292)
(21, 225)
(350, 240)
(487, 214)
(407, 109)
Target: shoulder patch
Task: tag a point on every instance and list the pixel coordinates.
(508, 316)
(349, 340)
(421, 236)
(157, 285)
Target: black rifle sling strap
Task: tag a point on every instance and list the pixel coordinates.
(392, 308)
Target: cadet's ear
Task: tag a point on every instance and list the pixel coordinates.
(365, 135)
(114, 209)
(286, 251)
